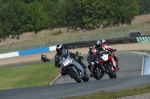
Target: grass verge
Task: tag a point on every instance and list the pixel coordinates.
(27, 76)
(116, 93)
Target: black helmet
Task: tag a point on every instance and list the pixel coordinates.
(98, 43)
(91, 48)
(59, 48)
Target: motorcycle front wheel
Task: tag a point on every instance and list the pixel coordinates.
(98, 74)
(111, 73)
(73, 75)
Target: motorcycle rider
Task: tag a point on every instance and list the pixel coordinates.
(80, 57)
(44, 58)
(60, 50)
(113, 51)
(101, 44)
(92, 59)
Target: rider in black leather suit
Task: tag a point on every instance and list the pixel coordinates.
(60, 50)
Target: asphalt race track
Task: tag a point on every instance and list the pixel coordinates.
(129, 66)
(129, 75)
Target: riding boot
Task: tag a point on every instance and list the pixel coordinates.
(63, 73)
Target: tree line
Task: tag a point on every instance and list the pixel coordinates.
(18, 16)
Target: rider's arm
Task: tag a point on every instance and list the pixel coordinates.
(73, 55)
(107, 47)
(79, 55)
(57, 62)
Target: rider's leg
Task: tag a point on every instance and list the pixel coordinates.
(82, 64)
(63, 73)
(116, 59)
(91, 69)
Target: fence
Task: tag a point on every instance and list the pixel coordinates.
(46, 38)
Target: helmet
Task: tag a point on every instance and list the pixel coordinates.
(59, 48)
(103, 41)
(91, 48)
(98, 43)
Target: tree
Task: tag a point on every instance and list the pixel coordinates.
(11, 18)
(36, 17)
(31, 1)
(144, 6)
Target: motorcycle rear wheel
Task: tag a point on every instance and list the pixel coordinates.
(73, 75)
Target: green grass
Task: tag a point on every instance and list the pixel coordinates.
(116, 93)
(27, 76)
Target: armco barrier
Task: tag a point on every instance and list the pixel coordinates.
(28, 52)
(8, 55)
(109, 41)
(67, 46)
(33, 51)
(52, 48)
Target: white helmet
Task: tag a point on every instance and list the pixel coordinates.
(103, 41)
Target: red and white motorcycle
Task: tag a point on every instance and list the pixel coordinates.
(107, 63)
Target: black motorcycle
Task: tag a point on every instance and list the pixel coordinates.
(95, 69)
(44, 58)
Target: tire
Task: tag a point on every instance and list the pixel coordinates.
(73, 75)
(98, 74)
(111, 73)
(86, 78)
(44, 60)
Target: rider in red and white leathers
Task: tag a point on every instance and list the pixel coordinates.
(102, 44)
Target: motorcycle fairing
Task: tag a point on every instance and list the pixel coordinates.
(66, 60)
(104, 57)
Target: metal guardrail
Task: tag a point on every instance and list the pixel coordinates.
(123, 40)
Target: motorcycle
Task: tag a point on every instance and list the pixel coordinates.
(107, 63)
(44, 58)
(73, 68)
(95, 69)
